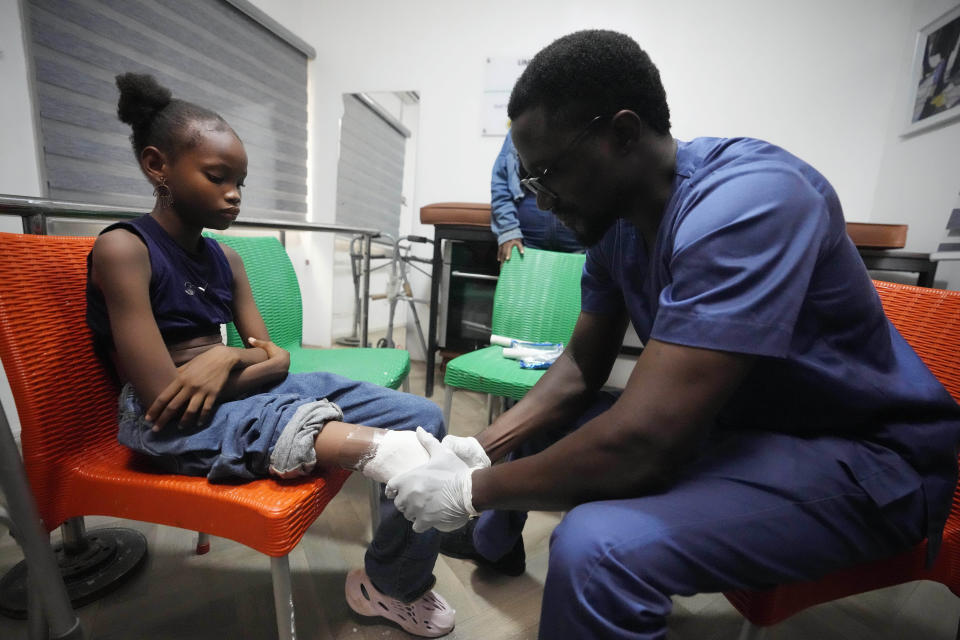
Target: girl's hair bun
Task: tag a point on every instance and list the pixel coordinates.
(157, 119)
(141, 98)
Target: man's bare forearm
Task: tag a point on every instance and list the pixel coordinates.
(635, 447)
(560, 394)
(598, 461)
(565, 390)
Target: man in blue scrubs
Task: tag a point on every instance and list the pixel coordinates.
(775, 428)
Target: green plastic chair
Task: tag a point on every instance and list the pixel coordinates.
(276, 291)
(537, 299)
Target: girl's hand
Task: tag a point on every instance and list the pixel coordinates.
(193, 393)
(273, 351)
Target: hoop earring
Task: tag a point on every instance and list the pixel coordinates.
(162, 193)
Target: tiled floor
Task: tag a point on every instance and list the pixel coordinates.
(227, 593)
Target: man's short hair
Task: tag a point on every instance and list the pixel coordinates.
(591, 73)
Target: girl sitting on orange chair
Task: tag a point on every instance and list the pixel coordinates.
(157, 293)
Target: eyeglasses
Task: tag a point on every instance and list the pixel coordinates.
(535, 183)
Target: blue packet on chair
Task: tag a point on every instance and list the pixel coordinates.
(533, 355)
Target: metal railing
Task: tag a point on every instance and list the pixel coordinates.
(35, 213)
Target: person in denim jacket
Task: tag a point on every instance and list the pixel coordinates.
(514, 216)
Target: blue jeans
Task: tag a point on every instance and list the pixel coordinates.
(755, 509)
(543, 230)
(237, 442)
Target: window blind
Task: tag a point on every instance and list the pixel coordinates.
(370, 170)
(205, 51)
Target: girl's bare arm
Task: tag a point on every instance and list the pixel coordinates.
(249, 324)
(121, 270)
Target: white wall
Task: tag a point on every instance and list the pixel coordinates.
(919, 179)
(812, 76)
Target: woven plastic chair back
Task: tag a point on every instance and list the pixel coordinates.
(275, 287)
(929, 320)
(48, 356)
(67, 404)
(538, 296)
(276, 291)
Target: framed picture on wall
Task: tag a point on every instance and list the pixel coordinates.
(935, 85)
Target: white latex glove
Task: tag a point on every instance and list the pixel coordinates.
(397, 452)
(438, 494)
(469, 450)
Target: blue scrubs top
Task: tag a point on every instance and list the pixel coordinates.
(752, 256)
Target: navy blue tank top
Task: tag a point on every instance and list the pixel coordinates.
(191, 293)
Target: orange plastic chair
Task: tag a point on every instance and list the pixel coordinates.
(929, 319)
(67, 403)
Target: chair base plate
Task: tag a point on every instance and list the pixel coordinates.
(110, 557)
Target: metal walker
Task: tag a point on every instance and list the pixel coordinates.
(398, 285)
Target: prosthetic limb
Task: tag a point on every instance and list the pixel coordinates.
(380, 454)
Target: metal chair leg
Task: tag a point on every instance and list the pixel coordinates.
(283, 598)
(374, 489)
(45, 574)
(447, 406)
(750, 631)
(496, 405)
(37, 628)
(203, 543)
(405, 385)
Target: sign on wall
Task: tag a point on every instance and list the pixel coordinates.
(500, 75)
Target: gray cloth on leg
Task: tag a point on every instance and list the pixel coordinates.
(294, 454)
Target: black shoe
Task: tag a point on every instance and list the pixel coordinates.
(459, 544)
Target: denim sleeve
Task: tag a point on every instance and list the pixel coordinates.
(503, 207)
